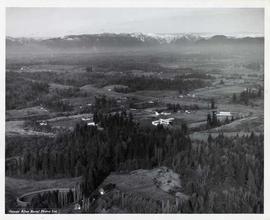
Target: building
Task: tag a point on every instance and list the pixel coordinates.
(165, 113)
(43, 123)
(162, 113)
(165, 122)
(224, 115)
(91, 124)
(86, 119)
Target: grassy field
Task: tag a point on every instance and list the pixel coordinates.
(36, 111)
(155, 184)
(219, 91)
(18, 128)
(68, 121)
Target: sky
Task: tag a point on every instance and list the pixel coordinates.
(57, 22)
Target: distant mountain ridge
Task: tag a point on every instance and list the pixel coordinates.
(126, 40)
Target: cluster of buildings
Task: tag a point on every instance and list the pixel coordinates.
(164, 122)
(162, 113)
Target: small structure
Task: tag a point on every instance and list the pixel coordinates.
(43, 123)
(107, 188)
(223, 115)
(86, 119)
(165, 122)
(77, 206)
(165, 113)
(91, 124)
(101, 191)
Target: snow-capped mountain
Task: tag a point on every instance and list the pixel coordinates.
(130, 40)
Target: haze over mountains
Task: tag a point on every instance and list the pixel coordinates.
(86, 42)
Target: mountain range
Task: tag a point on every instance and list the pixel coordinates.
(129, 40)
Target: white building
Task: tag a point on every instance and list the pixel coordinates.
(91, 124)
(86, 119)
(223, 115)
(162, 113)
(43, 123)
(165, 113)
(165, 122)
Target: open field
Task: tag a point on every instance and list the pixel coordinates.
(68, 121)
(17, 128)
(219, 91)
(36, 111)
(158, 184)
(140, 119)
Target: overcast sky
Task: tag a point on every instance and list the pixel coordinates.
(55, 22)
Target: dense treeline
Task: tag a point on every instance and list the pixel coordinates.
(104, 103)
(68, 92)
(23, 93)
(245, 96)
(77, 79)
(177, 107)
(16, 145)
(121, 140)
(228, 175)
(155, 83)
(122, 89)
(194, 75)
(55, 103)
(52, 200)
(224, 174)
(143, 65)
(255, 66)
(212, 120)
